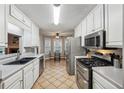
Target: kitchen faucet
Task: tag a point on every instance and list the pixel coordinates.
(18, 55)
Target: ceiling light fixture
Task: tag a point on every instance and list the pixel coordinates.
(57, 35)
(56, 11)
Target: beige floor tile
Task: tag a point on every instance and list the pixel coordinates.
(69, 83)
(44, 84)
(51, 86)
(63, 86)
(55, 76)
(57, 83)
(63, 79)
(74, 86)
(51, 80)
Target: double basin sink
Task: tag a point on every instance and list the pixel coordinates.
(21, 61)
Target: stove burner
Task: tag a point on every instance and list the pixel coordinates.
(93, 62)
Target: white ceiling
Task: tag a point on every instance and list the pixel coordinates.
(42, 14)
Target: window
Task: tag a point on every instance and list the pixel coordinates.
(58, 45)
(47, 46)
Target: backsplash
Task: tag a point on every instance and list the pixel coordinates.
(2, 50)
(105, 53)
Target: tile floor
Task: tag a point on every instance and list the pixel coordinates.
(55, 77)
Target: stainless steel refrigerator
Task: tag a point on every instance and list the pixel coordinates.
(73, 48)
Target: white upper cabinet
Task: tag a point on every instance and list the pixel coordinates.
(3, 24)
(98, 17)
(27, 21)
(84, 29)
(90, 23)
(114, 25)
(35, 35)
(27, 39)
(16, 13)
(31, 36)
(78, 31)
(95, 19)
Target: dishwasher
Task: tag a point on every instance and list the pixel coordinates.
(41, 65)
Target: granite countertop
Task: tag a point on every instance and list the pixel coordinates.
(112, 74)
(8, 70)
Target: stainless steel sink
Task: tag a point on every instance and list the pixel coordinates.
(21, 61)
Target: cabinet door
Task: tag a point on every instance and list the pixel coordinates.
(36, 72)
(14, 81)
(35, 35)
(98, 18)
(27, 38)
(114, 24)
(2, 25)
(83, 32)
(16, 13)
(36, 69)
(90, 23)
(96, 85)
(28, 76)
(27, 21)
(28, 79)
(78, 30)
(100, 81)
(16, 85)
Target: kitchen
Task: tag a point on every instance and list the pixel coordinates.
(85, 52)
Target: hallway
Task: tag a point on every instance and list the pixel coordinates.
(55, 77)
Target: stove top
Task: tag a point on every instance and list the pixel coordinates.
(94, 62)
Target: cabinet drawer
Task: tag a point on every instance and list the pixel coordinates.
(16, 77)
(105, 83)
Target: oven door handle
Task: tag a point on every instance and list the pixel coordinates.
(85, 69)
(85, 81)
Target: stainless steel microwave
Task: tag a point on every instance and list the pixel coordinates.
(95, 40)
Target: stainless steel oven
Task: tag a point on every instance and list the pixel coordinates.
(95, 40)
(82, 77)
(84, 70)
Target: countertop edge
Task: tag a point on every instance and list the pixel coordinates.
(118, 86)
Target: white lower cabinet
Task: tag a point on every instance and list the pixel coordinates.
(23, 79)
(96, 85)
(101, 83)
(31, 73)
(13, 82)
(28, 76)
(36, 69)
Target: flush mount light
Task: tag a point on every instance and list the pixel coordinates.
(57, 35)
(56, 13)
